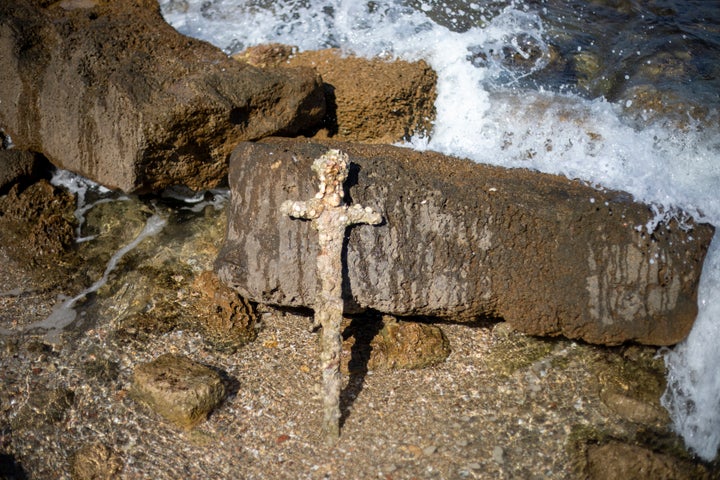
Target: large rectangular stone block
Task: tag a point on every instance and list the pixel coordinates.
(462, 240)
(112, 92)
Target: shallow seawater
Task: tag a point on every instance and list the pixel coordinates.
(622, 94)
(116, 235)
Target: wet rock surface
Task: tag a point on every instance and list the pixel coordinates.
(227, 320)
(387, 343)
(619, 460)
(178, 388)
(461, 240)
(37, 228)
(95, 461)
(109, 90)
(45, 407)
(370, 101)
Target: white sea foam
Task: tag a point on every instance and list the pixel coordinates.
(197, 201)
(80, 187)
(480, 117)
(692, 397)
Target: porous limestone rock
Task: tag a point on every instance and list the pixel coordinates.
(368, 100)
(95, 461)
(111, 91)
(392, 344)
(37, 225)
(21, 167)
(460, 240)
(227, 320)
(178, 388)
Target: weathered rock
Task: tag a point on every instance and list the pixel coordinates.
(179, 389)
(461, 240)
(227, 320)
(165, 283)
(392, 345)
(368, 100)
(111, 91)
(95, 461)
(37, 224)
(615, 460)
(267, 55)
(650, 103)
(631, 385)
(18, 166)
(633, 409)
(44, 407)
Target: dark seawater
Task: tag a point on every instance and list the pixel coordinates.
(606, 47)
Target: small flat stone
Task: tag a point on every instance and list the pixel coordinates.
(178, 388)
(498, 455)
(429, 450)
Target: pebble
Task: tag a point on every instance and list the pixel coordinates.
(498, 455)
(389, 468)
(429, 450)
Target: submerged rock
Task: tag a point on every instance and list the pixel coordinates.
(631, 386)
(615, 460)
(178, 388)
(226, 319)
(391, 344)
(111, 91)
(462, 240)
(95, 461)
(43, 408)
(368, 100)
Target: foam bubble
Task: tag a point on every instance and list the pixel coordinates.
(215, 197)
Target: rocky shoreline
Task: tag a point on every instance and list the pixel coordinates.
(125, 355)
(501, 405)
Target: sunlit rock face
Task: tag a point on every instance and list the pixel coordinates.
(462, 240)
(111, 91)
(368, 100)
